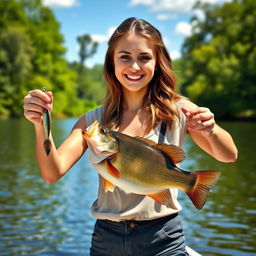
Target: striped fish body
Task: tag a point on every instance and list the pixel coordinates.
(141, 166)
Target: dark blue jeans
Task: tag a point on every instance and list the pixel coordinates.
(159, 237)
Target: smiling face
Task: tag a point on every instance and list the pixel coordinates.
(134, 62)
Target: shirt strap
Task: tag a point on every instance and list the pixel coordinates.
(162, 132)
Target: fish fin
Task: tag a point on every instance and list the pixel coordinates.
(112, 170)
(147, 141)
(162, 197)
(175, 153)
(205, 180)
(47, 146)
(108, 186)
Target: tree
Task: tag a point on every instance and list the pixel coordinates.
(218, 59)
(16, 55)
(87, 48)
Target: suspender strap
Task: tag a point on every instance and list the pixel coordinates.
(162, 132)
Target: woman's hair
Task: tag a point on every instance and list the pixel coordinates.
(160, 97)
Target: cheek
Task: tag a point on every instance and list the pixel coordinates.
(150, 68)
(118, 68)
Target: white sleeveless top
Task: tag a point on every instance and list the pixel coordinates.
(119, 205)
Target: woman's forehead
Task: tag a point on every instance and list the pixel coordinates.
(134, 43)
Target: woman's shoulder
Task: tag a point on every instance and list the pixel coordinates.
(93, 115)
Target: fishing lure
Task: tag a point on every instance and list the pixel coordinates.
(47, 128)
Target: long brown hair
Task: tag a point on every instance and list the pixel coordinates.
(161, 96)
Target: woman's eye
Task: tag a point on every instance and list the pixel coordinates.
(145, 58)
(124, 57)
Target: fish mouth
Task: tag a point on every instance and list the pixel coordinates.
(90, 131)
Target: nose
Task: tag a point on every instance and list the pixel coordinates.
(135, 66)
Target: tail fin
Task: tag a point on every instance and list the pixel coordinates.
(205, 180)
(47, 146)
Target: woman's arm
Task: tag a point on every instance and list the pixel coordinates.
(59, 161)
(209, 136)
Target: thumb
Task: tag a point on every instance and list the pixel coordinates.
(186, 112)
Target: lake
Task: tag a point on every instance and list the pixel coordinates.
(41, 219)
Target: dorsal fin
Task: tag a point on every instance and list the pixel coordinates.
(147, 141)
(175, 153)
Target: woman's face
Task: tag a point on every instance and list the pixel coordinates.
(134, 62)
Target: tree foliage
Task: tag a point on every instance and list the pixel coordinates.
(32, 56)
(87, 48)
(219, 59)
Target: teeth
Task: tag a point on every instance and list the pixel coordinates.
(134, 77)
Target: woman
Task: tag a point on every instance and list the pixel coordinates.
(140, 96)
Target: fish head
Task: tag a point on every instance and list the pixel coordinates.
(100, 139)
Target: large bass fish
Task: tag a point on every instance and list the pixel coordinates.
(141, 166)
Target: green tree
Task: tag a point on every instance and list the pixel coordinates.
(219, 57)
(32, 56)
(87, 48)
(16, 55)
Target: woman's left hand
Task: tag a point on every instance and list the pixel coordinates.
(200, 120)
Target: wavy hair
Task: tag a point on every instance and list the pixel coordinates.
(159, 101)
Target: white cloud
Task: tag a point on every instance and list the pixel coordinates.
(145, 2)
(172, 6)
(183, 28)
(175, 55)
(99, 38)
(60, 3)
(199, 14)
(164, 16)
(103, 38)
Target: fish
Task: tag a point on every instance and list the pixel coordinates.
(141, 166)
(46, 121)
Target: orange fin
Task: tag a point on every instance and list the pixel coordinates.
(163, 197)
(147, 141)
(205, 180)
(175, 153)
(108, 186)
(112, 170)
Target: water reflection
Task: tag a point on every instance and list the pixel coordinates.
(41, 219)
(227, 224)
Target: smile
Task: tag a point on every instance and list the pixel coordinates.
(133, 77)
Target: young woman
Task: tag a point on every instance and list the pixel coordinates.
(140, 95)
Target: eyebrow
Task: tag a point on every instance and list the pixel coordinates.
(126, 52)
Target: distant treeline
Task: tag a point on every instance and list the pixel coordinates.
(217, 68)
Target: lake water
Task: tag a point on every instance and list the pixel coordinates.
(41, 219)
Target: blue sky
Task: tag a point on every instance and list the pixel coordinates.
(100, 17)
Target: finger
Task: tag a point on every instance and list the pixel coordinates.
(49, 93)
(37, 101)
(32, 115)
(40, 94)
(207, 125)
(33, 108)
(205, 116)
(186, 112)
(199, 110)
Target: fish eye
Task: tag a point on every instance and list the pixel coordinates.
(103, 130)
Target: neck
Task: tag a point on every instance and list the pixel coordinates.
(133, 101)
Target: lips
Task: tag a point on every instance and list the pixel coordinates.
(134, 77)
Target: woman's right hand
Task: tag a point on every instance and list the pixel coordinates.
(35, 102)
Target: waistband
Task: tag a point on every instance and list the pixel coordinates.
(133, 223)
